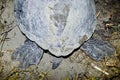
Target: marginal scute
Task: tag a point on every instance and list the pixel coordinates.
(83, 39)
(59, 26)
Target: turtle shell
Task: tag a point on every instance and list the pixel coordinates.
(59, 26)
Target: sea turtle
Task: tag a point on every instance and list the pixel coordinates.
(59, 26)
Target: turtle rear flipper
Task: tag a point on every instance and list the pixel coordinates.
(97, 49)
(28, 54)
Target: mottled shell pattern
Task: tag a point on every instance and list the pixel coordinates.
(59, 26)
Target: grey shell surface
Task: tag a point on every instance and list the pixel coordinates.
(59, 26)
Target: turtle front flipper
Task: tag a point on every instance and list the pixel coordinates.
(97, 49)
(28, 54)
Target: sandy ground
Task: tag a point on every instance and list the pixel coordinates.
(78, 63)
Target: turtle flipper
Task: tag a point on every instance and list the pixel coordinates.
(97, 49)
(56, 62)
(28, 54)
